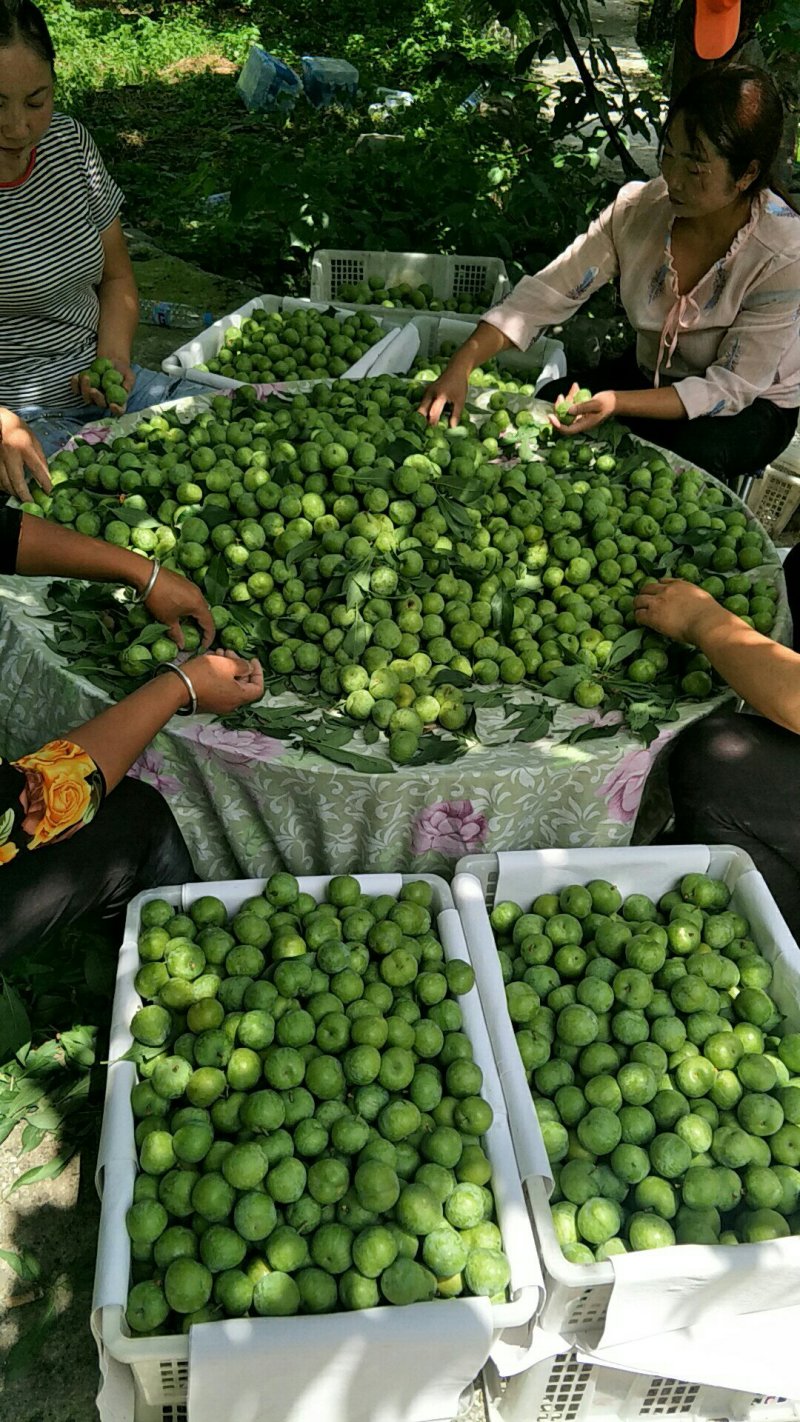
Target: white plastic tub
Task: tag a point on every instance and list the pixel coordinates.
(577, 1296)
(543, 361)
(160, 1366)
(394, 354)
(451, 278)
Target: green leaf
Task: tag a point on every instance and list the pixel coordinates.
(216, 581)
(300, 550)
(401, 448)
(502, 614)
(49, 1171)
(79, 1045)
(32, 1137)
(623, 647)
(591, 733)
(535, 728)
(6, 825)
(369, 765)
(135, 518)
(449, 677)
(150, 634)
(563, 683)
(15, 1027)
(356, 639)
(26, 1351)
(438, 750)
(25, 1265)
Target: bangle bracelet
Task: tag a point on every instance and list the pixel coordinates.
(191, 709)
(151, 582)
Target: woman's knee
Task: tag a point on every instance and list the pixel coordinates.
(711, 757)
(164, 857)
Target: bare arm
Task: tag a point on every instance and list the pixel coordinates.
(50, 549)
(114, 739)
(119, 298)
(119, 313)
(765, 674)
(664, 404)
(451, 387)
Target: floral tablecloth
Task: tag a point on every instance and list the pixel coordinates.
(247, 805)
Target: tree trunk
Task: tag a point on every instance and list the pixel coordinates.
(656, 22)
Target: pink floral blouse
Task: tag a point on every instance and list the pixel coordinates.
(733, 338)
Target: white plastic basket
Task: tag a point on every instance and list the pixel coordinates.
(449, 277)
(206, 344)
(775, 497)
(160, 1366)
(577, 1296)
(564, 1389)
(542, 362)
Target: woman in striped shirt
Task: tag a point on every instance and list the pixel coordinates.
(67, 289)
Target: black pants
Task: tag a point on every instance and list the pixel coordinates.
(726, 448)
(132, 844)
(736, 780)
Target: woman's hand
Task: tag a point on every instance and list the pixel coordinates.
(174, 597)
(92, 395)
(450, 389)
(20, 450)
(587, 414)
(677, 609)
(224, 681)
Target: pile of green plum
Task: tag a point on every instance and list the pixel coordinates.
(390, 565)
(490, 375)
(273, 346)
(309, 1116)
(665, 1084)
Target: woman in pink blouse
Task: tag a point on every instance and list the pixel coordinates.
(707, 259)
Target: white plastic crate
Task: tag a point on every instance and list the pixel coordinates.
(160, 1366)
(775, 497)
(577, 1296)
(541, 362)
(564, 1389)
(390, 354)
(449, 277)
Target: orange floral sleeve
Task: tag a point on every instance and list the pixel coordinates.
(46, 797)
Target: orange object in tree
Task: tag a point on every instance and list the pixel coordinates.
(716, 25)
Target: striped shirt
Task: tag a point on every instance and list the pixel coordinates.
(51, 262)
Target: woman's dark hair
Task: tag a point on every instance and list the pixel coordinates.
(22, 22)
(739, 108)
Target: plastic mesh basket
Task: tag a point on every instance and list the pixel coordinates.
(450, 278)
(775, 497)
(564, 1389)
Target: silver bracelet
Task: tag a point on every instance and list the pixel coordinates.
(151, 582)
(191, 709)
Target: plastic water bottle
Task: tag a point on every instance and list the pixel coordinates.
(389, 101)
(472, 100)
(174, 313)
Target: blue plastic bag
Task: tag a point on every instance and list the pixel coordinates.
(329, 81)
(267, 83)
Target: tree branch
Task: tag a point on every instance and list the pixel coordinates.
(630, 167)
